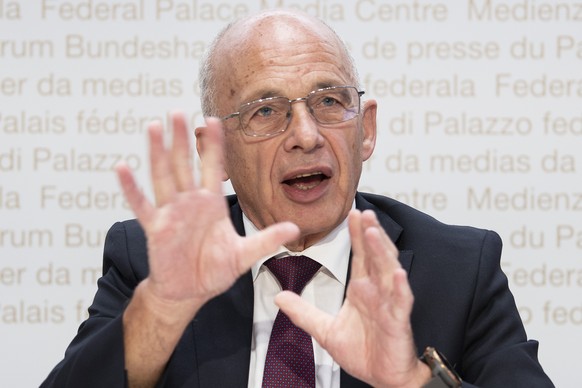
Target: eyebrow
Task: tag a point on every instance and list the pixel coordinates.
(326, 84)
(267, 93)
(263, 93)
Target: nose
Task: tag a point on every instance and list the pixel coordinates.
(303, 130)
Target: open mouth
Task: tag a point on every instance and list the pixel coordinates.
(306, 181)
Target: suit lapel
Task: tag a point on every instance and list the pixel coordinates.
(393, 230)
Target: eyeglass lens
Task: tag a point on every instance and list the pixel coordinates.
(328, 106)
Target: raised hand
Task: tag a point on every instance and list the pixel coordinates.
(194, 251)
(371, 337)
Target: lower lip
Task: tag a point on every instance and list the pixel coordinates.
(306, 196)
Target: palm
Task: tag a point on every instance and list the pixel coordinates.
(371, 337)
(366, 324)
(194, 251)
(194, 225)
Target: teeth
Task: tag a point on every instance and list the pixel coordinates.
(308, 174)
(304, 187)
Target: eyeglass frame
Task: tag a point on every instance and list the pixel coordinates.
(291, 102)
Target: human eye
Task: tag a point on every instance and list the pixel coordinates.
(333, 105)
(328, 101)
(331, 99)
(265, 115)
(322, 101)
(264, 111)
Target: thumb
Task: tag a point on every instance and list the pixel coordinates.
(266, 242)
(304, 315)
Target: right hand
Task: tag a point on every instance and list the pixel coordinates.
(194, 251)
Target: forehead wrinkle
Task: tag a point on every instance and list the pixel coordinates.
(260, 45)
(273, 60)
(268, 85)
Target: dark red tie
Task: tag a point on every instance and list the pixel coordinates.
(290, 361)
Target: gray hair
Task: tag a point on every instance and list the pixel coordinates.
(207, 74)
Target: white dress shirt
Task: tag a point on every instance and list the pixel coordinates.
(325, 290)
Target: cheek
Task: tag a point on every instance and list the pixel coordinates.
(351, 150)
(235, 159)
(246, 167)
(350, 159)
(230, 164)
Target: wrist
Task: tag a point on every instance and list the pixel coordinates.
(152, 327)
(418, 376)
(167, 313)
(423, 375)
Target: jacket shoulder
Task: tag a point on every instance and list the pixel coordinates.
(126, 249)
(422, 230)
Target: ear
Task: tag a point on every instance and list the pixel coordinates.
(368, 128)
(199, 132)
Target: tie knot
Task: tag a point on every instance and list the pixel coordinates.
(293, 272)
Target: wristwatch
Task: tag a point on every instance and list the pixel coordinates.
(444, 376)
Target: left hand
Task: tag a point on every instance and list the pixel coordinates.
(371, 337)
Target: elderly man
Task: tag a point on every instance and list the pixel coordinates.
(190, 295)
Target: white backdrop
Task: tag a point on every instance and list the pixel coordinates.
(480, 123)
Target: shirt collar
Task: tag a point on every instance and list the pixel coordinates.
(332, 252)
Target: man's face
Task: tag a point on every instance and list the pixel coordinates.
(309, 173)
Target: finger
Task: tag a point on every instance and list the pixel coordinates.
(266, 242)
(305, 315)
(381, 254)
(380, 248)
(402, 297)
(141, 207)
(181, 153)
(212, 156)
(380, 269)
(358, 268)
(368, 223)
(371, 220)
(161, 169)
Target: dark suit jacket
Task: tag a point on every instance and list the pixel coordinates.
(463, 307)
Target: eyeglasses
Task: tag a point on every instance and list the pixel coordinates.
(271, 116)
